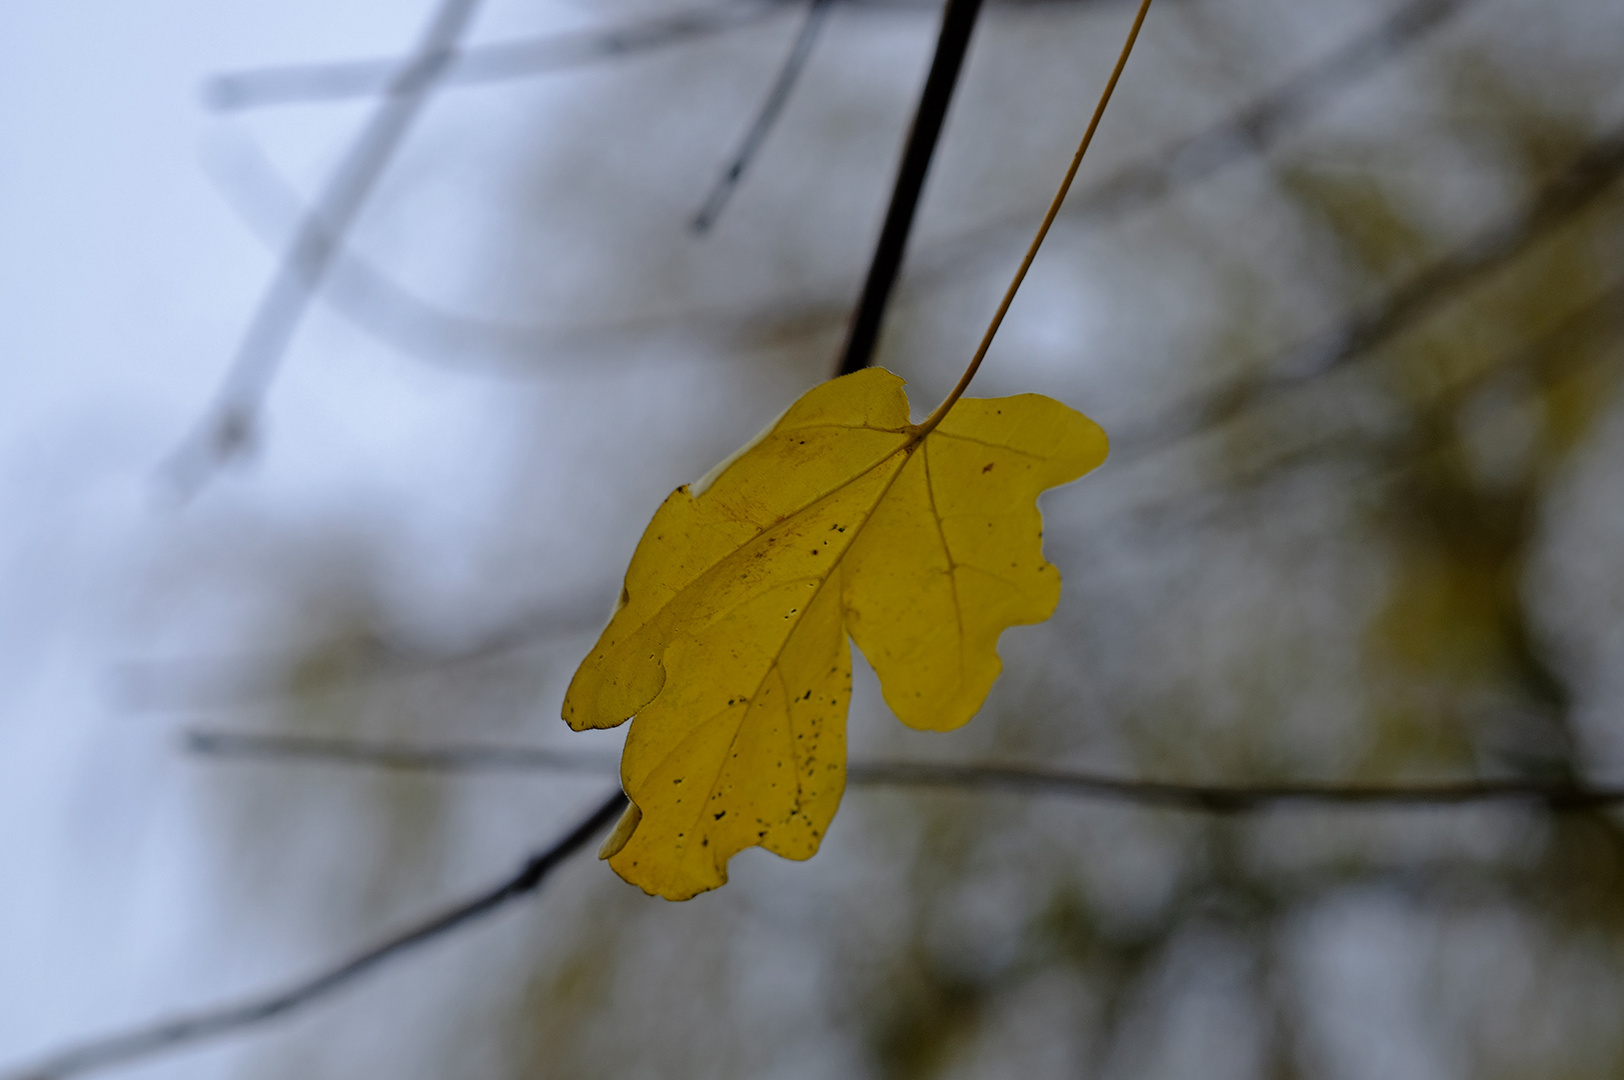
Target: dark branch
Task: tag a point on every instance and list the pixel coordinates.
(951, 44)
(1209, 798)
(482, 63)
(777, 97)
(1227, 799)
(229, 428)
(196, 1027)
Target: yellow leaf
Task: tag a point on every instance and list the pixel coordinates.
(729, 643)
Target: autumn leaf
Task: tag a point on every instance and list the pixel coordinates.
(729, 644)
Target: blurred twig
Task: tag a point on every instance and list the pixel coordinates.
(1554, 203)
(1209, 798)
(207, 682)
(777, 97)
(380, 305)
(229, 427)
(168, 1035)
(1250, 131)
(383, 307)
(1548, 358)
(293, 83)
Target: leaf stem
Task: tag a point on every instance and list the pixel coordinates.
(936, 417)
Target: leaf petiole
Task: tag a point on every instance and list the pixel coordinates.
(929, 424)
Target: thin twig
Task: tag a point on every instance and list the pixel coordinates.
(958, 21)
(1250, 131)
(777, 97)
(189, 1029)
(229, 427)
(1031, 780)
(293, 83)
(935, 418)
(381, 306)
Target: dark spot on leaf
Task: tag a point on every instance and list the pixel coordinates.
(720, 814)
(987, 468)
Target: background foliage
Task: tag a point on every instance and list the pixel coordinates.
(1407, 566)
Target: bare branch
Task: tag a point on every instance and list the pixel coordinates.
(186, 1030)
(777, 97)
(483, 63)
(1228, 799)
(229, 428)
(380, 305)
(1021, 779)
(384, 308)
(958, 21)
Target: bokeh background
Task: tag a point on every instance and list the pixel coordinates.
(1358, 343)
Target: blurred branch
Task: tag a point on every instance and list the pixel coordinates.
(183, 1031)
(1549, 358)
(777, 97)
(1254, 129)
(207, 682)
(482, 63)
(229, 427)
(1208, 798)
(1246, 133)
(384, 308)
(381, 306)
(958, 21)
(1553, 204)
(443, 757)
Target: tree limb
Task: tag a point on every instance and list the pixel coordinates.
(185, 1030)
(294, 83)
(229, 427)
(958, 21)
(1023, 779)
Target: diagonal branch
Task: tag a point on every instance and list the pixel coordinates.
(196, 1027)
(1020, 779)
(951, 44)
(294, 83)
(229, 427)
(379, 305)
(777, 97)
